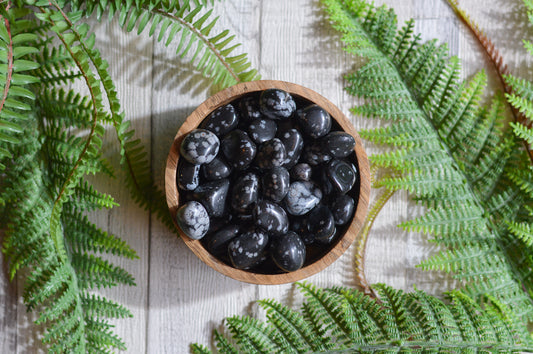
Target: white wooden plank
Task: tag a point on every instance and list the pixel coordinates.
(187, 298)
(8, 310)
(178, 299)
(130, 66)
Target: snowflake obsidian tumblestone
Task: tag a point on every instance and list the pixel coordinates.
(200, 146)
(275, 189)
(193, 219)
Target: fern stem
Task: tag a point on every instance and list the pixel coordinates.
(362, 241)
(203, 38)
(59, 242)
(9, 73)
(496, 59)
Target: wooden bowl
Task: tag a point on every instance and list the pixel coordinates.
(337, 249)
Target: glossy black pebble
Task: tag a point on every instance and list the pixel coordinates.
(213, 196)
(342, 209)
(188, 175)
(199, 146)
(271, 217)
(288, 252)
(261, 130)
(218, 241)
(193, 219)
(302, 197)
(245, 192)
(299, 225)
(248, 249)
(314, 154)
(238, 149)
(271, 154)
(249, 108)
(276, 104)
(294, 143)
(216, 169)
(321, 223)
(221, 120)
(338, 144)
(328, 240)
(275, 183)
(341, 175)
(301, 172)
(315, 121)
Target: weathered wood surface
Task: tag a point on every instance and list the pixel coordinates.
(179, 299)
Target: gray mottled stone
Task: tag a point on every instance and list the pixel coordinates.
(302, 197)
(199, 146)
(193, 219)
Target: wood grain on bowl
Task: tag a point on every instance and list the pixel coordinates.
(226, 96)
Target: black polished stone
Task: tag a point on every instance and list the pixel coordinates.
(244, 193)
(271, 217)
(301, 172)
(271, 154)
(315, 121)
(294, 143)
(288, 252)
(302, 197)
(193, 220)
(216, 169)
(342, 209)
(249, 107)
(338, 144)
(188, 175)
(314, 154)
(275, 183)
(341, 175)
(261, 130)
(218, 241)
(199, 146)
(248, 249)
(239, 149)
(222, 120)
(213, 195)
(276, 104)
(320, 222)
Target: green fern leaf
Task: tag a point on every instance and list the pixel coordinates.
(451, 153)
(251, 335)
(190, 26)
(395, 322)
(298, 335)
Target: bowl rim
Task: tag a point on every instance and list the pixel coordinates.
(226, 96)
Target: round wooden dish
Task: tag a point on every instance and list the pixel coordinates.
(226, 96)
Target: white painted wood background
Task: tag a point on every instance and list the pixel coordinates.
(178, 299)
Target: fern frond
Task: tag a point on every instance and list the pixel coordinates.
(223, 346)
(251, 335)
(46, 195)
(395, 322)
(95, 272)
(449, 152)
(97, 306)
(199, 349)
(16, 45)
(297, 333)
(190, 27)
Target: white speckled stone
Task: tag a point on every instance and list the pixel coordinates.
(276, 104)
(302, 197)
(199, 146)
(193, 220)
(271, 217)
(248, 249)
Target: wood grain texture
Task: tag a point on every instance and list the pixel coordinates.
(179, 299)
